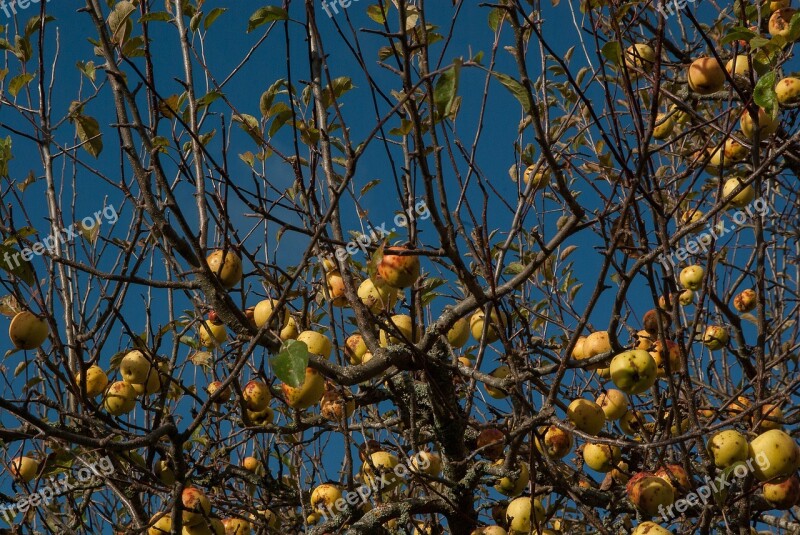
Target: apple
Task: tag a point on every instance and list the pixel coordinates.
(217, 526)
(498, 322)
(784, 493)
(691, 277)
(153, 382)
(491, 443)
(601, 457)
(739, 406)
(490, 530)
(213, 386)
(334, 406)
(383, 463)
(227, 266)
(256, 396)
(289, 331)
(134, 367)
(377, 295)
(650, 320)
(318, 343)
(780, 452)
(160, 524)
(665, 124)
(596, 343)
(738, 65)
(555, 442)
(96, 380)
(634, 371)
(734, 151)
(741, 199)
(650, 528)
(398, 271)
(402, 323)
(335, 284)
(540, 176)
(195, 504)
(577, 352)
(686, 298)
(746, 300)
(586, 415)
(631, 422)
(771, 418)
(522, 515)
(23, 468)
(354, 348)
(705, 76)
(27, 331)
(671, 354)
(237, 526)
(120, 398)
(264, 311)
(780, 22)
(644, 340)
(715, 337)
(458, 333)
(308, 393)
(613, 403)
(211, 335)
(640, 56)
(727, 447)
(261, 417)
(764, 124)
(500, 373)
(164, 472)
(788, 90)
(691, 215)
(676, 476)
(432, 463)
(513, 487)
(649, 493)
(251, 464)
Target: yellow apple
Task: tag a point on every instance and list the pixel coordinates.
(308, 393)
(691, 277)
(634, 371)
(664, 126)
(256, 396)
(251, 464)
(650, 528)
(613, 403)
(644, 340)
(764, 124)
(263, 311)
(497, 323)
(596, 343)
(261, 417)
(715, 337)
(788, 90)
(377, 295)
(676, 476)
(224, 396)
(120, 398)
(734, 151)
(427, 463)
(780, 22)
(384, 464)
(738, 65)
(334, 406)
(640, 56)
(151, 385)
(398, 271)
(196, 506)
(776, 454)
(577, 352)
(727, 447)
(649, 493)
(741, 199)
(237, 526)
(164, 472)
(586, 415)
(227, 266)
(402, 323)
(783, 493)
(555, 443)
(27, 331)
(771, 417)
(217, 526)
(489, 530)
(746, 300)
(706, 76)
(318, 343)
(513, 487)
(134, 367)
(324, 498)
(631, 422)
(540, 176)
(211, 334)
(521, 515)
(96, 380)
(458, 333)
(335, 284)
(601, 457)
(355, 348)
(500, 373)
(23, 468)
(160, 524)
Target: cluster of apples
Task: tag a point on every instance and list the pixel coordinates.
(141, 375)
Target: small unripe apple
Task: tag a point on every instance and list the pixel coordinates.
(784, 493)
(634, 371)
(706, 76)
(431, 462)
(196, 506)
(738, 65)
(676, 476)
(640, 56)
(555, 443)
(256, 395)
(227, 266)
(213, 386)
(727, 447)
(715, 337)
(134, 367)
(354, 348)
(601, 457)
(540, 176)
(746, 300)
(513, 487)
(96, 380)
(780, 22)
(649, 493)
(120, 398)
(160, 524)
(377, 295)
(521, 515)
(27, 331)
(777, 452)
(491, 443)
(402, 323)
(613, 403)
(650, 528)
(788, 90)
(586, 415)
(765, 124)
(497, 323)
(664, 126)
(318, 343)
(398, 271)
(650, 320)
(308, 393)
(23, 468)
(334, 406)
(691, 277)
(500, 373)
(458, 333)
(671, 354)
(211, 335)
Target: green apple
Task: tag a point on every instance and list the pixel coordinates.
(28, 331)
(634, 371)
(727, 447)
(586, 415)
(776, 455)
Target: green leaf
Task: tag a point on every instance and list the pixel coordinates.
(18, 82)
(290, 364)
(265, 103)
(87, 69)
(88, 131)
(156, 16)
(377, 14)
(194, 23)
(517, 89)
(369, 185)
(11, 261)
(212, 16)
(612, 51)
(757, 42)
(446, 88)
(764, 93)
(34, 23)
(265, 15)
(495, 17)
